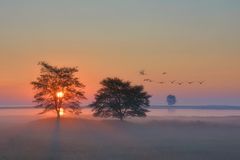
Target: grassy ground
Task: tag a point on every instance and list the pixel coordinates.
(69, 138)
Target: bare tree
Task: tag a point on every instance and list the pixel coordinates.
(58, 88)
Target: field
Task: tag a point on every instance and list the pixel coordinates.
(27, 136)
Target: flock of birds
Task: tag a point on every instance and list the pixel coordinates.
(143, 73)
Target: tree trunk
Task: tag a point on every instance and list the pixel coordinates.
(121, 115)
(58, 114)
(121, 118)
(57, 108)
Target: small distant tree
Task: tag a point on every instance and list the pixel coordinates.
(120, 99)
(171, 100)
(58, 87)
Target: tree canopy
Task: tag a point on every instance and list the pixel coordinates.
(120, 99)
(54, 80)
(171, 100)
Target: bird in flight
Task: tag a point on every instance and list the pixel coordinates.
(172, 82)
(180, 83)
(147, 80)
(142, 72)
(190, 82)
(160, 82)
(164, 73)
(201, 82)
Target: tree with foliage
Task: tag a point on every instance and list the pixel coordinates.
(120, 99)
(58, 88)
(171, 100)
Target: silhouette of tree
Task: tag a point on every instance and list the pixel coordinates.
(171, 100)
(58, 88)
(120, 99)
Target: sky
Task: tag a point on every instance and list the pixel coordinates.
(190, 40)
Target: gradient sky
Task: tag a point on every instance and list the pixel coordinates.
(189, 39)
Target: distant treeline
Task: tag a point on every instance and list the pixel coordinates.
(218, 107)
(17, 107)
(210, 107)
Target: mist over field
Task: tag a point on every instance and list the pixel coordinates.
(164, 134)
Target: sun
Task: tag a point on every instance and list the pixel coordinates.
(60, 94)
(61, 112)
